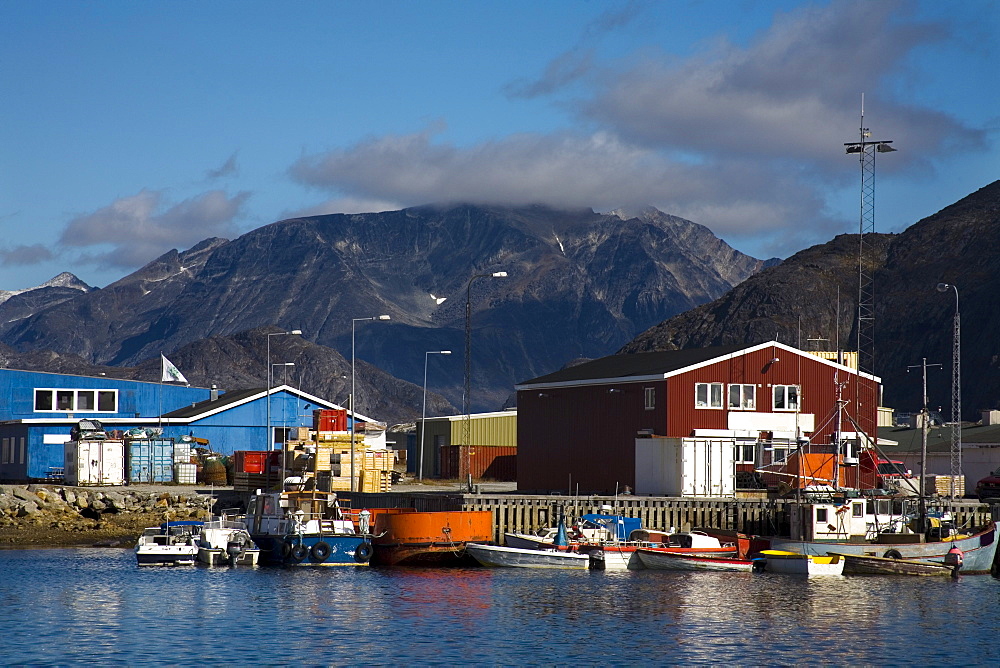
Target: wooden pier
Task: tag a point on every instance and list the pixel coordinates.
(528, 513)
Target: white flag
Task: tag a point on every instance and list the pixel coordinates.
(170, 372)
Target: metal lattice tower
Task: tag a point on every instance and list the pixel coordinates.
(956, 392)
(867, 257)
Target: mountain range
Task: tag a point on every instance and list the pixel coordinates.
(578, 284)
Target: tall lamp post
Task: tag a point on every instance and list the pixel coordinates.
(268, 440)
(956, 391)
(467, 422)
(354, 321)
(423, 414)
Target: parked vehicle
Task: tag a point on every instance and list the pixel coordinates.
(989, 487)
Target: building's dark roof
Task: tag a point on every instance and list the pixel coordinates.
(939, 438)
(638, 364)
(227, 399)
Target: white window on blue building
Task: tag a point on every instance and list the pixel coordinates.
(65, 400)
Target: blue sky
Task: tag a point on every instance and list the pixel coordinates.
(131, 128)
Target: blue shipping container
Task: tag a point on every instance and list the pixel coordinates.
(151, 460)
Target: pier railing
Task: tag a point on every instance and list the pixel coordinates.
(527, 513)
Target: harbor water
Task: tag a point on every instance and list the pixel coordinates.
(95, 606)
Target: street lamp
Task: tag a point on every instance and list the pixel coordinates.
(268, 441)
(423, 415)
(353, 419)
(467, 426)
(956, 391)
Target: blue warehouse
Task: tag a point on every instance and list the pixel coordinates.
(38, 411)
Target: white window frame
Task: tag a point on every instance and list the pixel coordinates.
(649, 394)
(95, 394)
(743, 402)
(741, 450)
(712, 402)
(783, 389)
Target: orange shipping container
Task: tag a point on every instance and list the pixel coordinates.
(255, 461)
(325, 419)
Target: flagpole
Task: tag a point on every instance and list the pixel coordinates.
(159, 396)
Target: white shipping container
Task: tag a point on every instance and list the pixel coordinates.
(94, 462)
(693, 467)
(186, 474)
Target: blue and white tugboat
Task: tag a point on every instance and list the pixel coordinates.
(304, 527)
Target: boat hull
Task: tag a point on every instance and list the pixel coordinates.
(979, 550)
(429, 538)
(313, 550)
(803, 564)
(499, 556)
(167, 555)
(215, 556)
(858, 565)
(663, 560)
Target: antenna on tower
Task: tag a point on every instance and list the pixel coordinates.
(867, 260)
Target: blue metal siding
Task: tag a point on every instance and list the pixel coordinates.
(135, 398)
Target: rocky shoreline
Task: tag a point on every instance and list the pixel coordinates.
(60, 516)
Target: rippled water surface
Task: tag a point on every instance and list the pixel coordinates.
(94, 606)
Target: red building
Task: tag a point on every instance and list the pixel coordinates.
(577, 427)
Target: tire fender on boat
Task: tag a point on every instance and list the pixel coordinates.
(320, 552)
(299, 553)
(285, 550)
(892, 554)
(363, 553)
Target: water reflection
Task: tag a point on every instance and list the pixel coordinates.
(95, 606)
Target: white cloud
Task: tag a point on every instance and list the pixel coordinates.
(25, 255)
(143, 226)
(745, 140)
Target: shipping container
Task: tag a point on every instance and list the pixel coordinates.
(150, 460)
(691, 467)
(97, 462)
(328, 419)
(493, 462)
(256, 461)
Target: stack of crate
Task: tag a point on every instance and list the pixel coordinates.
(941, 484)
(376, 470)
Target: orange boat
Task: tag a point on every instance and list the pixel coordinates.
(404, 537)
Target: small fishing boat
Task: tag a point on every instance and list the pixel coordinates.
(517, 557)
(667, 560)
(780, 561)
(856, 564)
(172, 543)
(305, 527)
(225, 541)
(621, 555)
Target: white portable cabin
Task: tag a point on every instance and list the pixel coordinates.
(827, 521)
(94, 462)
(695, 467)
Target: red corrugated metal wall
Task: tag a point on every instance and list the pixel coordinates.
(583, 436)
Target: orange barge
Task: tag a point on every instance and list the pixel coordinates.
(404, 537)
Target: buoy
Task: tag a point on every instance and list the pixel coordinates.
(954, 559)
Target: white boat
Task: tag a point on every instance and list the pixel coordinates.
(665, 560)
(780, 561)
(516, 557)
(170, 544)
(225, 541)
